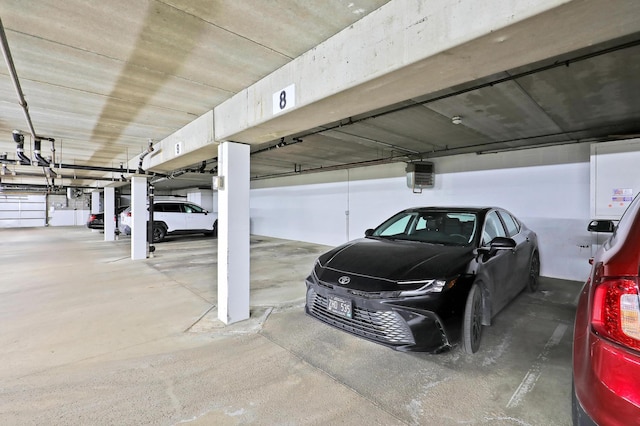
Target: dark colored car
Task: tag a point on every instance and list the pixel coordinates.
(426, 278)
(606, 339)
(96, 220)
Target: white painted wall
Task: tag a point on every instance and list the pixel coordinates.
(547, 188)
(204, 198)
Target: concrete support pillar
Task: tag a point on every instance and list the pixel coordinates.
(139, 246)
(233, 232)
(95, 202)
(109, 213)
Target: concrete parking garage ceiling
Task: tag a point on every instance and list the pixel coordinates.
(104, 78)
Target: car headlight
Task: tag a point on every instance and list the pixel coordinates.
(426, 287)
(315, 270)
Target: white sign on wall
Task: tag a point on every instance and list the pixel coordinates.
(284, 99)
(614, 177)
(622, 195)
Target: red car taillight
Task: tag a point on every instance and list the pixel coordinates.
(616, 310)
(128, 214)
(92, 217)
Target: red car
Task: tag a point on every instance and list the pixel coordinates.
(606, 341)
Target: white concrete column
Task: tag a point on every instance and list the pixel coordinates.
(109, 213)
(139, 246)
(95, 202)
(233, 232)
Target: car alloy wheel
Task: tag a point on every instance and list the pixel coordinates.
(534, 273)
(159, 233)
(472, 321)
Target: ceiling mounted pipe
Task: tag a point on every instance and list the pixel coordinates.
(96, 168)
(62, 176)
(36, 153)
(22, 159)
(14, 77)
(148, 151)
(5, 160)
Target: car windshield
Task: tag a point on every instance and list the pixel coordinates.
(438, 227)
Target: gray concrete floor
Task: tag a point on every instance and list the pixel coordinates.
(88, 336)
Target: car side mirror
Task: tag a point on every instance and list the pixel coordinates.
(368, 232)
(502, 243)
(601, 226)
(498, 243)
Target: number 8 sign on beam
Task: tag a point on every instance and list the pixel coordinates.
(284, 99)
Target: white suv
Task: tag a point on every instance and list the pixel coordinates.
(175, 217)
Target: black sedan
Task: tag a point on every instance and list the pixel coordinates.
(426, 278)
(96, 220)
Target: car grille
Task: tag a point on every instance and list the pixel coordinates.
(366, 294)
(382, 326)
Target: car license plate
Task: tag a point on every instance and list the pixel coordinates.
(339, 306)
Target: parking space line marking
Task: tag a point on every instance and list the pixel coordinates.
(534, 372)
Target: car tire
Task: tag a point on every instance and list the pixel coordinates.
(159, 232)
(534, 273)
(472, 321)
(214, 232)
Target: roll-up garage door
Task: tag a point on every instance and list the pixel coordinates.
(22, 210)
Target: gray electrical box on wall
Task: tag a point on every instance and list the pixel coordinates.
(420, 175)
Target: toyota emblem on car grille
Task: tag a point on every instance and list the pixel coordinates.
(344, 280)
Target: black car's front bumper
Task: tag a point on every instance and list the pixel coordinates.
(401, 325)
